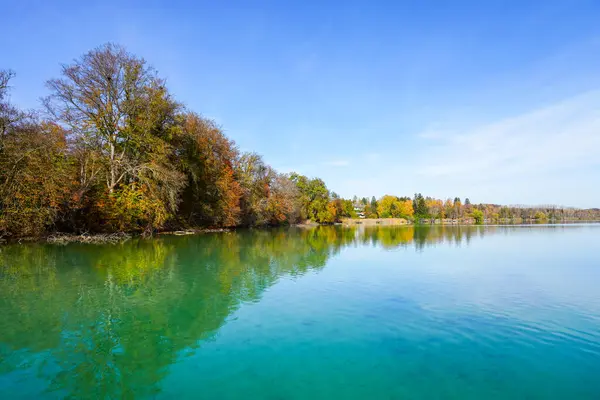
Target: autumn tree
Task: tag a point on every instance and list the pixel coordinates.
(35, 179)
(208, 160)
(456, 208)
(122, 116)
(393, 207)
(448, 208)
(283, 203)
(467, 207)
(367, 211)
(10, 116)
(35, 173)
(254, 177)
(435, 208)
(99, 98)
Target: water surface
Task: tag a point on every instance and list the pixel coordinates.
(363, 313)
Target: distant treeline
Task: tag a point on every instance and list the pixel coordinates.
(113, 150)
(428, 209)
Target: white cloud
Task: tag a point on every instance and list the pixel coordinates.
(549, 155)
(556, 138)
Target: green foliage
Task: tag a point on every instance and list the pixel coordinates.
(347, 209)
(420, 207)
(133, 207)
(315, 199)
(374, 206)
(477, 216)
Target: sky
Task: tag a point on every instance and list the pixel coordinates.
(497, 101)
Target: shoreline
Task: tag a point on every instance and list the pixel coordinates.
(104, 238)
(121, 237)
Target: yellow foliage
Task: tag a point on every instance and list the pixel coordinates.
(132, 208)
(392, 207)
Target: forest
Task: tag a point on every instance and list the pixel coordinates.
(112, 150)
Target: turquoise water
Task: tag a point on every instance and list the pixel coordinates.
(370, 313)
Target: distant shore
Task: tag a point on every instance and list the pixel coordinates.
(375, 221)
(448, 221)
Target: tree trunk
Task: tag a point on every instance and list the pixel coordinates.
(111, 185)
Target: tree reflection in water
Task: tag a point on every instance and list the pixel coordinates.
(106, 321)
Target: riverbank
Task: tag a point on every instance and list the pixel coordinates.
(104, 238)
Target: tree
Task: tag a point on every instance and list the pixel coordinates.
(386, 206)
(456, 208)
(390, 207)
(284, 201)
(348, 209)
(35, 179)
(207, 157)
(435, 208)
(255, 178)
(374, 208)
(478, 216)
(120, 111)
(468, 207)
(117, 105)
(420, 207)
(393, 207)
(35, 173)
(448, 209)
(406, 208)
(329, 214)
(10, 116)
(314, 197)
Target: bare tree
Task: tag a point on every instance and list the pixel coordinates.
(9, 115)
(102, 98)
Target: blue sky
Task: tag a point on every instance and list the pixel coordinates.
(498, 101)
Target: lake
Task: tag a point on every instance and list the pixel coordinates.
(453, 312)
